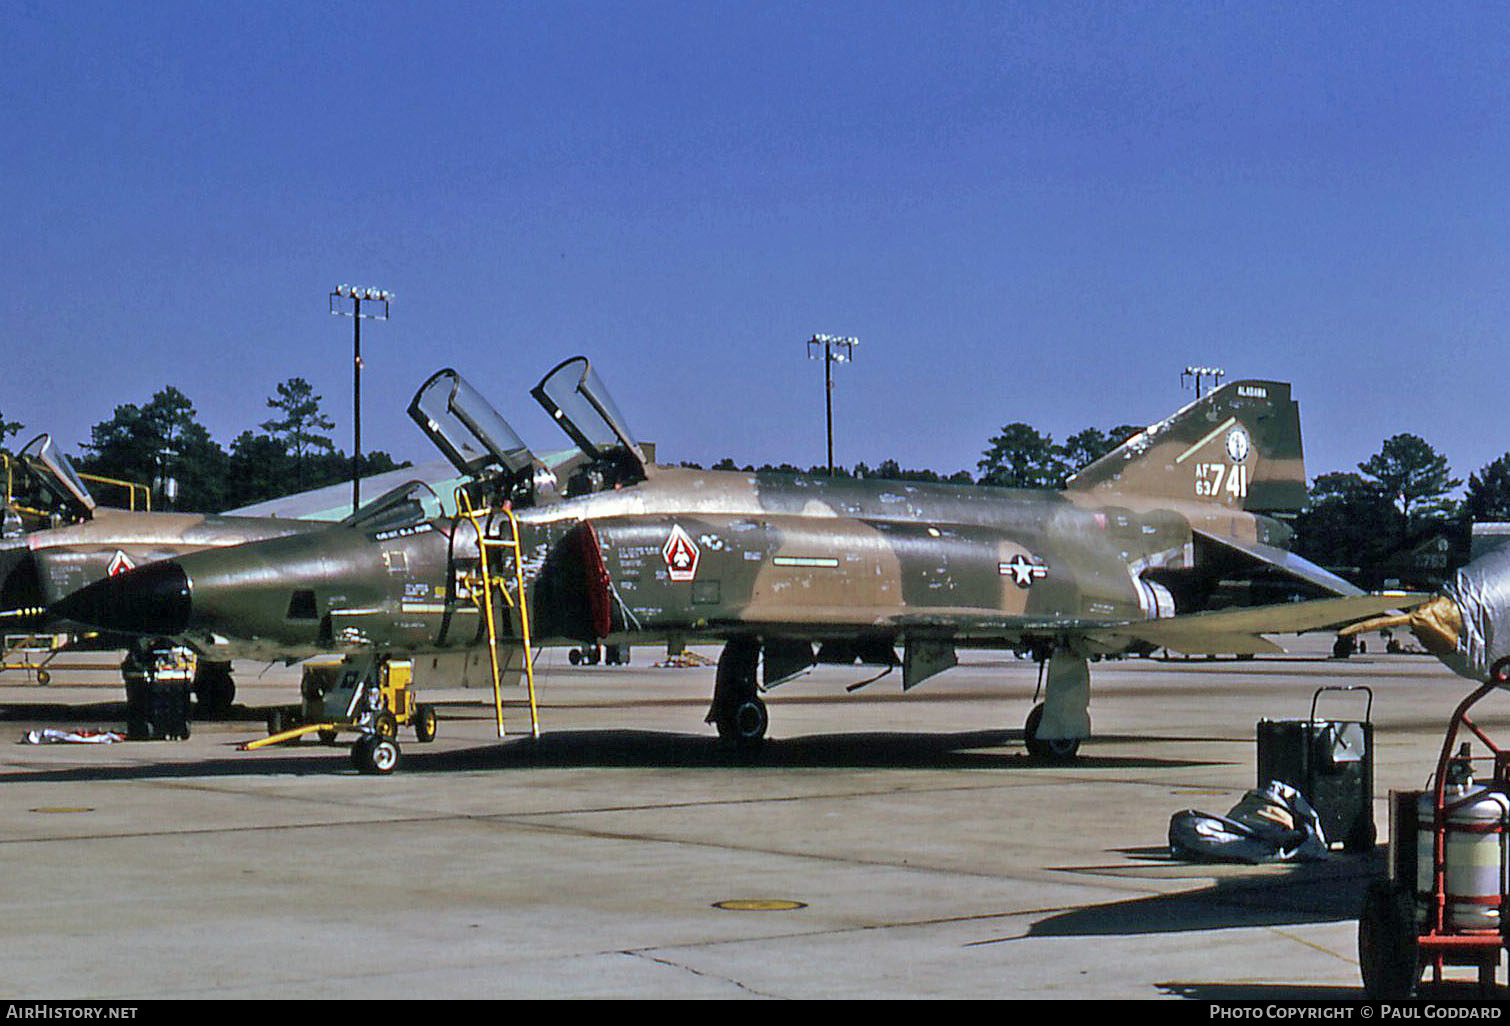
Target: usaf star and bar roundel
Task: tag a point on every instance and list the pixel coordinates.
(1023, 570)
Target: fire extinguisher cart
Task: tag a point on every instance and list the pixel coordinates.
(1441, 903)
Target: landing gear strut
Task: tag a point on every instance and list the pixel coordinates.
(738, 711)
(1057, 725)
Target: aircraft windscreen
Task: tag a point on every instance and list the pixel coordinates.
(410, 503)
(466, 428)
(55, 472)
(575, 397)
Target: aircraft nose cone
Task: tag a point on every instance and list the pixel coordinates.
(153, 599)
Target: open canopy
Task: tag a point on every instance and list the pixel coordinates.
(462, 424)
(56, 475)
(576, 399)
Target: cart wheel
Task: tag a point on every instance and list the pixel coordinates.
(1388, 952)
(386, 725)
(43, 677)
(375, 754)
(279, 720)
(328, 737)
(424, 723)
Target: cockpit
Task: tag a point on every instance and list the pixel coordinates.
(475, 438)
(411, 503)
(482, 445)
(41, 487)
(575, 398)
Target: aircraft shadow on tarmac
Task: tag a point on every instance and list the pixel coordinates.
(992, 749)
(1326, 891)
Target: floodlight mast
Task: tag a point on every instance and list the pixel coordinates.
(1214, 373)
(356, 295)
(835, 350)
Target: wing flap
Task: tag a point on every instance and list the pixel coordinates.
(1228, 630)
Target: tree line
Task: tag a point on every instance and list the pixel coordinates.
(161, 444)
(1354, 520)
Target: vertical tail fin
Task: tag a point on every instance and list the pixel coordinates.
(1237, 447)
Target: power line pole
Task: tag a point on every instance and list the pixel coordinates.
(835, 350)
(338, 299)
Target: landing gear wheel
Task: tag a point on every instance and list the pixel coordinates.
(43, 678)
(1047, 750)
(744, 724)
(737, 711)
(386, 725)
(1388, 948)
(375, 754)
(424, 723)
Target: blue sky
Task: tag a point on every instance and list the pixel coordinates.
(1024, 211)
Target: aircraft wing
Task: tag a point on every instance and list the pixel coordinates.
(1225, 632)
(1238, 631)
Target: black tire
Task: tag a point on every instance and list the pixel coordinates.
(744, 723)
(1388, 945)
(424, 723)
(279, 720)
(386, 725)
(375, 755)
(328, 737)
(1059, 750)
(214, 691)
(575, 656)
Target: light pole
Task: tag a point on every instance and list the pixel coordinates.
(1214, 373)
(337, 306)
(835, 350)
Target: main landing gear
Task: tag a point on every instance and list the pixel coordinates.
(1057, 725)
(738, 711)
(1053, 731)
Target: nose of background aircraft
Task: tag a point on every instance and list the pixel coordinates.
(154, 599)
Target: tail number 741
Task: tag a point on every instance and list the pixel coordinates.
(1221, 481)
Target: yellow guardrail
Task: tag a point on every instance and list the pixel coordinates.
(131, 488)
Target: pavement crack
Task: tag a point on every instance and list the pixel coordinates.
(698, 973)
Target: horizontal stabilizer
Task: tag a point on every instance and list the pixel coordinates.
(1286, 561)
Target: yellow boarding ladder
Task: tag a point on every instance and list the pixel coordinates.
(484, 543)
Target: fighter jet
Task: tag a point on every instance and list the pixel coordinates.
(57, 539)
(784, 570)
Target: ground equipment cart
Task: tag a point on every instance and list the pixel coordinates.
(1442, 902)
(370, 696)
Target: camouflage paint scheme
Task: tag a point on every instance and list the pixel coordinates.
(1126, 557)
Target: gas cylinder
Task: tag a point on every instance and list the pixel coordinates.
(1474, 867)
